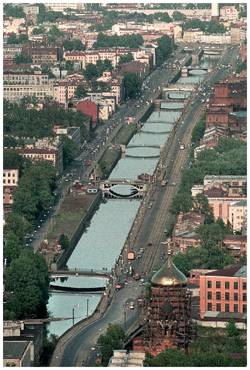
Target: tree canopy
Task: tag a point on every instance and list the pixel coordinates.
(14, 39)
(129, 41)
(28, 279)
(74, 44)
(126, 58)
(207, 27)
(22, 59)
(14, 11)
(70, 151)
(132, 85)
(36, 196)
(112, 339)
(164, 49)
(19, 121)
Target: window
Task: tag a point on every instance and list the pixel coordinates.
(209, 306)
(244, 297)
(244, 285)
(218, 307)
(236, 308)
(235, 285)
(235, 296)
(209, 295)
(209, 284)
(226, 307)
(244, 308)
(218, 296)
(227, 296)
(217, 284)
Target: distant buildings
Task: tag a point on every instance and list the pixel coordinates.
(224, 291)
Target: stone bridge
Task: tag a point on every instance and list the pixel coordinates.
(187, 71)
(137, 189)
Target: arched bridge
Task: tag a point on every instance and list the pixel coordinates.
(78, 272)
(132, 188)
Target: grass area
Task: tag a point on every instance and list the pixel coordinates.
(125, 134)
(110, 156)
(73, 209)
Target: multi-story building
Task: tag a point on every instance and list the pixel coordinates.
(10, 51)
(13, 25)
(112, 54)
(17, 92)
(229, 13)
(226, 180)
(43, 55)
(224, 291)
(10, 184)
(64, 90)
(237, 214)
(45, 149)
(60, 7)
(25, 78)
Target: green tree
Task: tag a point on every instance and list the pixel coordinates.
(27, 277)
(70, 151)
(231, 328)
(198, 131)
(12, 247)
(13, 39)
(132, 85)
(38, 31)
(54, 34)
(178, 16)
(182, 202)
(18, 225)
(103, 65)
(80, 92)
(22, 59)
(14, 11)
(69, 66)
(164, 49)
(74, 44)
(200, 204)
(126, 58)
(90, 72)
(64, 241)
(9, 141)
(113, 339)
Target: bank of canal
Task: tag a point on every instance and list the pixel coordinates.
(101, 243)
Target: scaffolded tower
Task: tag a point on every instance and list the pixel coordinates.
(167, 314)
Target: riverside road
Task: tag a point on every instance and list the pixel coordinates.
(77, 350)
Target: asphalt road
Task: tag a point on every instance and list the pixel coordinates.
(78, 349)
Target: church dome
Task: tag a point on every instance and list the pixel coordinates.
(169, 275)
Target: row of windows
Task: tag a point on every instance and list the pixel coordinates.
(227, 296)
(227, 285)
(226, 308)
(9, 181)
(9, 174)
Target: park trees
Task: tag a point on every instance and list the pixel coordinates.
(132, 85)
(112, 339)
(129, 41)
(28, 279)
(14, 11)
(74, 44)
(80, 92)
(22, 59)
(126, 58)
(70, 151)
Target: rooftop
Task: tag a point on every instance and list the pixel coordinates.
(236, 270)
(12, 350)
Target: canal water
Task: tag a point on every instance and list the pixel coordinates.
(101, 243)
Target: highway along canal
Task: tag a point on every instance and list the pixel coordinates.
(101, 243)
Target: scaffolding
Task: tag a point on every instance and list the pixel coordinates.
(167, 318)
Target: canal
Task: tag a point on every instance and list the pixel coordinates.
(101, 243)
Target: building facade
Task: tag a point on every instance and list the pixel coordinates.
(224, 291)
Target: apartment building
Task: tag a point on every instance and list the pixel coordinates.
(112, 54)
(238, 214)
(224, 291)
(226, 180)
(43, 55)
(10, 184)
(10, 51)
(64, 90)
(25, 78)
(17, 92)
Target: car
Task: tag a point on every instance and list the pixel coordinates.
(173, 184)
(131, 305)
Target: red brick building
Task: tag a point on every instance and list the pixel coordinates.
(224, 291)
(89, 108)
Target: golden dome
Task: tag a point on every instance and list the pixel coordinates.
(169, 275)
